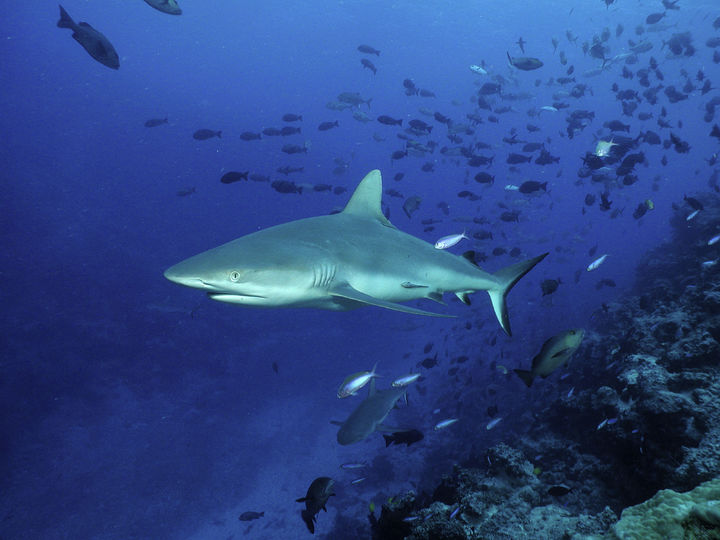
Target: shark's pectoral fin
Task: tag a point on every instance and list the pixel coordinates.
(344, 290)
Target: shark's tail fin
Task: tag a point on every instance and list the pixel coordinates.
(65, 20)
(508, 277)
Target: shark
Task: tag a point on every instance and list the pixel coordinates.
(343, 261)
(369, 415)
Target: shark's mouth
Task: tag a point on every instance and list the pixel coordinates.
(232, 298)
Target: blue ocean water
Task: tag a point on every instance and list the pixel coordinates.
(134, 408)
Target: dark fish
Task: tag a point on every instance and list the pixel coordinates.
(249, 516)
(489, 89)
(205, 134)
(549, 286)
(484, 178)
(419, 125)
(532, 147)
(368, 64)
(287, 169)
(428, 346)
(389, 121)
(559, 490)
(524, 63)
(411, 205)
(398, 176)
(271, 132)
(531, 186)
(476, 161)
(285, 186)
(403, 437)
(617, 125)
(514, 159)
(654, 18)
(509, 216)
(250, 136)
(605, 282)
(693, 202)
(185, 192)
(367, 49)
(233, 176)
(289, 130)
(166, 6)
(398, 154)
(275, 368)
(294, 149)
(315, 500)
(290, 117)
(154, 122)
(429, 362)
(427, 93)
(589, 199)
(428, 166)
(94, 42)
(324, 126)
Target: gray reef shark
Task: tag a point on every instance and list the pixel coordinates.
(343, 261)
(369, 415)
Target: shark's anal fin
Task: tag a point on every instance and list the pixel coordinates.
(344, 290)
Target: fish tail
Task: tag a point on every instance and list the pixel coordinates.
(65, 20)
(507, 278)
(526, 376)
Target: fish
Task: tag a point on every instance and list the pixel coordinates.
(292, 117)
(549, 286)
(353, 466)
(154, 122)
(205, 134)
(531, 186)
(477, 69)
(250, 516)
(358, 481)
(353, 99)
(494, 422)
(596, 263)
(692, 215)
(389, 121)
(559, 490)
(524, 63)
(355, 382)
(250, 136)
(449, 241)
(320, 490)
(445, 423)
(367, 49)
(403, 437)
(602, 424)
(407, 379)
(603, 148)
(93, 41)
(342, 261)
(714, 240)
(411, 205)
(369, 65)
(233, 176)
(369, 415)
(166, 6)
(654, 18)
(325, 126)
(554, 353)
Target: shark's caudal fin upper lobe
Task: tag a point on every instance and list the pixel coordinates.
(508, 277)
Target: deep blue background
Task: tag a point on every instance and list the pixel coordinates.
(132, 407)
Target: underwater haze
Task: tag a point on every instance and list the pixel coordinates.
(134, 407)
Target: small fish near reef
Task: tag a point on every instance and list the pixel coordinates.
(554, 353)
(315, 500)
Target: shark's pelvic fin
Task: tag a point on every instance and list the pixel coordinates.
(508, 277)
(346, 291)
(366, 200)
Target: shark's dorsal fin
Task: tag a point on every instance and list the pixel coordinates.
(365, 201)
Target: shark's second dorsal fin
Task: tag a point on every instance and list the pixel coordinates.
(366, 200)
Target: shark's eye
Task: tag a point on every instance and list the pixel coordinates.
(234, 275)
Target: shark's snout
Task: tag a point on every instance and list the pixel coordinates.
(177, 275)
